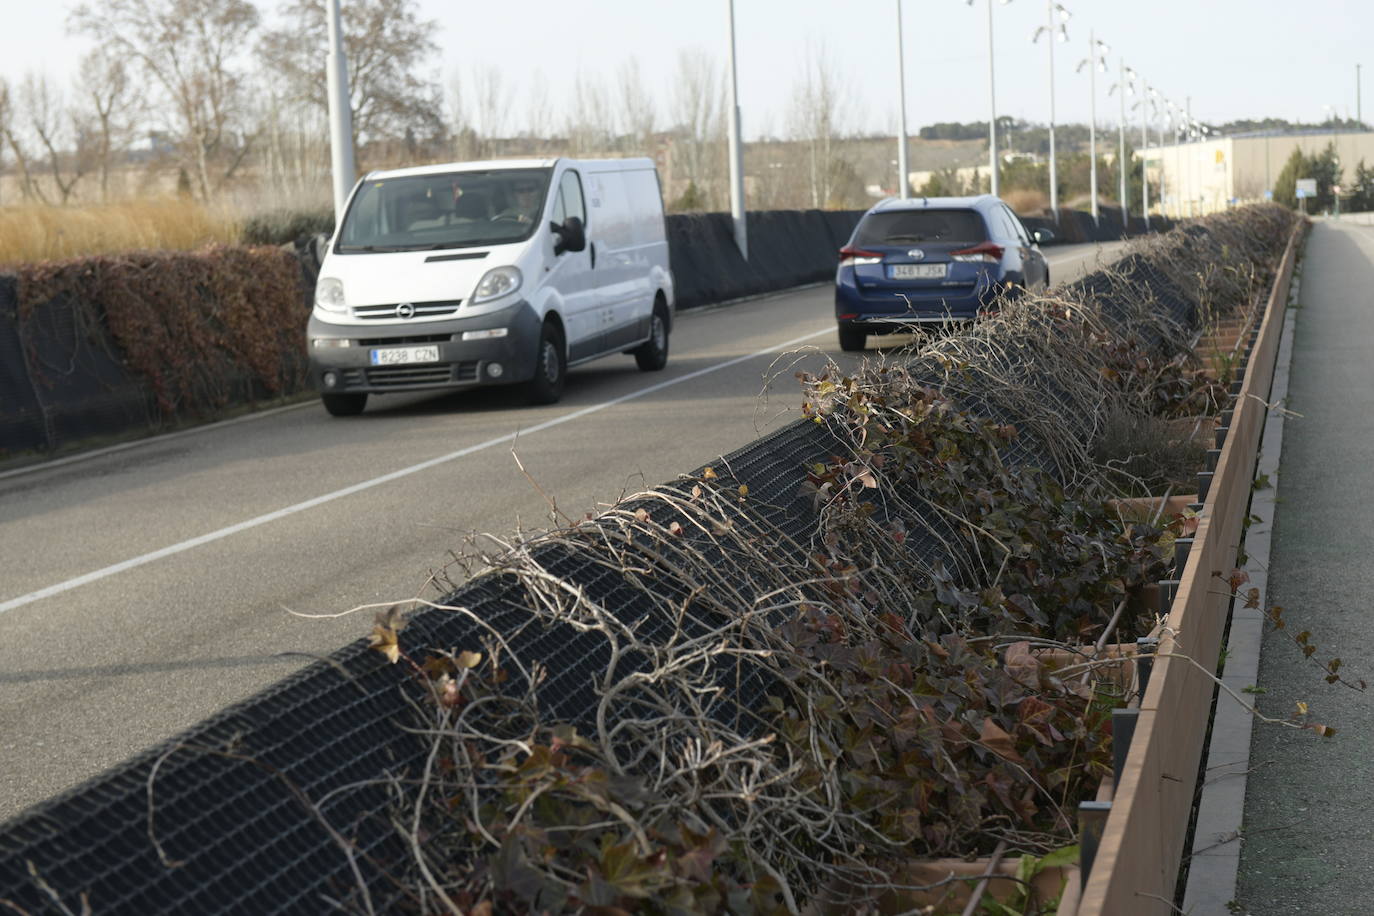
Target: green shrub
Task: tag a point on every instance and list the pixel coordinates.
(282, 227)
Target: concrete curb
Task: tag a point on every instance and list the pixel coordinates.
(1215, 860)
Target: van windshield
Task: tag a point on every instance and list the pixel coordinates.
(446, 210)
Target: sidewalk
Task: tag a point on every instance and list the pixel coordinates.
(1309, 804)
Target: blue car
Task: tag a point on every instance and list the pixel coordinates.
(930, 260)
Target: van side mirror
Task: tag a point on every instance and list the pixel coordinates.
(1042, 236)
(571, 236)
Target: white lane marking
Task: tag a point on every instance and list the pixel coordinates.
(146, 558)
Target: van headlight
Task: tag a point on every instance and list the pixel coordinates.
(329, 295)
(499, 281)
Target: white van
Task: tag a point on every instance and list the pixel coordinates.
(475, 273)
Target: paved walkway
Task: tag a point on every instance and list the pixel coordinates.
(1309, 806)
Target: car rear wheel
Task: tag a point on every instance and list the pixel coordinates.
(550, 368)
(344, 405)
(852, 340)
(652, 355)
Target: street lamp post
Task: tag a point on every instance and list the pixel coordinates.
(1121, 154)
(903, 166)
(1097, 58)
(736, 152)
(340, 115)
(1053, 34)
(992, 105)
(1144, 145)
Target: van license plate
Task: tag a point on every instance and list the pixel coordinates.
(918, 271)
(395, 356)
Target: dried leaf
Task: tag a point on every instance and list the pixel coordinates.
(384, 641)
(998, 741)
(468, 659)
(1302, 708)
(709, 474)
(384, 631)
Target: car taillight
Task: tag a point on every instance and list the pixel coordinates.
(986, 253)
(849, 255)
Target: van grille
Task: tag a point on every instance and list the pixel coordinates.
(422, 310)
(410, 339)
(399, 376)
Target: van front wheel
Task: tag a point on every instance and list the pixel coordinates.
(550, 368)
(652, 355)
(344, 405)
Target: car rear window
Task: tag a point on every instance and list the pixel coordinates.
(898, 227)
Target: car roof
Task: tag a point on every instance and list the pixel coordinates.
(977, 202)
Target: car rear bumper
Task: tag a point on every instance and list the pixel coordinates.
(461, 363)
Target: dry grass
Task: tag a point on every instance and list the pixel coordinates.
(1027, 202)
(32, 232)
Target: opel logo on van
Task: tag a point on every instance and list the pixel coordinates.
(405, 310)
(916, 254)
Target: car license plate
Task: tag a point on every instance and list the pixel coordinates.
(395, 356)
(918, 271)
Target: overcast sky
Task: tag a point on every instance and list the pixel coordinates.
(1235, 58)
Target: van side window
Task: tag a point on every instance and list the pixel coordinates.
(570, 196)
(560, 212)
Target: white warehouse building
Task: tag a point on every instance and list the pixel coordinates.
(1211, 175)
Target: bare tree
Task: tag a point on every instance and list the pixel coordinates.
(387, 44)
(464, 139)
(5, 115)
(697, 111)
(539, 110)
(821, 106)
(45, 117)
(11, 135)
(638, 114)
(187, 48)
(493, 105)
(111, 99)
(590, 122)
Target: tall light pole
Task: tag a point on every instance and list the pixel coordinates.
(903, 166)
(736, 153)
(1061, 34)
(1145, 103)
(1120, 89)
(1097, 58)
(992, 105)
(340, 115)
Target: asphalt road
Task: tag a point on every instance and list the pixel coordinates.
(144, 588)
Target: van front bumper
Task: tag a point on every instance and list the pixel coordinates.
(337, 367)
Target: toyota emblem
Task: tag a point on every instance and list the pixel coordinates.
(405, 310)
(916, 254)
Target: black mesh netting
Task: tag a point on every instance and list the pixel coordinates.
(254, 808)
(22, 424)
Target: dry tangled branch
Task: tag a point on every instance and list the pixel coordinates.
(711, 697)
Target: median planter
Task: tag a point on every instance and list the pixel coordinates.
(1142, 843)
